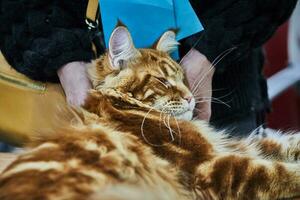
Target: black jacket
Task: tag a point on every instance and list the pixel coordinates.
(37, 37)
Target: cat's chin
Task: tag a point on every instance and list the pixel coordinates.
(188, 115)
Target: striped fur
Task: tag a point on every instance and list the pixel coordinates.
(129, 144)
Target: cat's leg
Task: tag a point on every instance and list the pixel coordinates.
(238, 177)
(277, 145)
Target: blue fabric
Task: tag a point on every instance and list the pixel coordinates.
(5, 147)
(148, 19)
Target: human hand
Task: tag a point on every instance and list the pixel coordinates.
(199, 73)
(75, 82)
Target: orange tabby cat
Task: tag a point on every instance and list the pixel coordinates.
(133, 140)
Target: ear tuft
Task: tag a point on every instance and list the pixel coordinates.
(120, 23)
(167, 42)
(121, 47)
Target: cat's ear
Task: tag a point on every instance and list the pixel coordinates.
(121, 47)
(167, 42)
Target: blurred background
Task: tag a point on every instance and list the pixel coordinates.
(282, 67)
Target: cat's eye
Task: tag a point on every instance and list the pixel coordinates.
(163, 81)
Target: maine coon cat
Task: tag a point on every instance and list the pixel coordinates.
(134, 139)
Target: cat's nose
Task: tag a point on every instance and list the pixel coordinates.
(188, 98)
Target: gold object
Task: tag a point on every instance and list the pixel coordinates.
(26, 106)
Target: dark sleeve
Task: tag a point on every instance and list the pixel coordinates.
(239, 24)
(38, 37)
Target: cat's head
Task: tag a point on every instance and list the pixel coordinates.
(147, 75)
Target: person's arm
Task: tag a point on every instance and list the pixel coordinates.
(75, 82)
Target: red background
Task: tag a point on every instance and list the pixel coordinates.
(285, 113)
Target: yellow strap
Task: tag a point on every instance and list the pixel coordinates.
(10, 75)
(91, 11)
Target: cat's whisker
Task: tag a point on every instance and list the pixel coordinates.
(216, 61)
(142, 129)
(221, 102)
(170, 130)
(178, 128)
(160, 119)
(164, 119)
(214, 101)
(198, 100)
(196, 93)
(212, 90)
(211, 99)
(166, 123)
(213, 64)
(199, 85)
(200, 96)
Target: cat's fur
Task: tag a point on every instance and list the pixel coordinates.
(133, 140)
